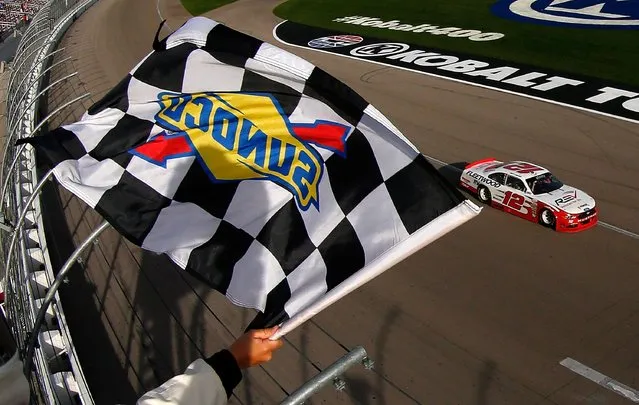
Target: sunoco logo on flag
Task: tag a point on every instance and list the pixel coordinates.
(238, 136)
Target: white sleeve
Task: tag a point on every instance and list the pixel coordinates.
(14, 387)
(198, 385)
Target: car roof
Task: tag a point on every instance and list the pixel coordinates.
(514, 173)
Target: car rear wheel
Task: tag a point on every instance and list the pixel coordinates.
(547, 218)
(483, 194)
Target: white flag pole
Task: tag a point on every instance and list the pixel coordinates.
(431, 232)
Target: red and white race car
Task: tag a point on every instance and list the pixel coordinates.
(531, 192)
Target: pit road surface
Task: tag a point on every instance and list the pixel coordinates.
(482, 316)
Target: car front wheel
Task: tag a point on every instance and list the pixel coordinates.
(547, 218)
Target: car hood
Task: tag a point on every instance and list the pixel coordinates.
(568, 199)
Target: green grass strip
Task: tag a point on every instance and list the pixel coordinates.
(198, 7)
(604, 53)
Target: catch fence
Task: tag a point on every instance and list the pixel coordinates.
(30, 283)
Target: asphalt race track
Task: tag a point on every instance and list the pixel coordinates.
(483, 316)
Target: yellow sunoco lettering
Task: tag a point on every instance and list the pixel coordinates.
(236, 148)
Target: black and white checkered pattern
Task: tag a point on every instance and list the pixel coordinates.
(248, 239)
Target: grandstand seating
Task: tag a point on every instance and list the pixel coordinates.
(13, 12)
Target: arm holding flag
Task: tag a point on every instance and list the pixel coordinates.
(211, 381)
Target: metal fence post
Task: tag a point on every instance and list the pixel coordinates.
(29, 272)
(26, 76)
(44, 121)
(35, 99)
(28, 361)
(26, 38)
(332, 374)
(23, 214)
(26, 58)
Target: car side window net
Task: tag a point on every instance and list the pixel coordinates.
(515, 183)
(498, 177)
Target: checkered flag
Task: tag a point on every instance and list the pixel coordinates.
(261, 174)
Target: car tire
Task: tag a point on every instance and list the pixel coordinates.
(547, 218)
(484, 195)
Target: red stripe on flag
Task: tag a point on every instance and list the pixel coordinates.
(323, 134)
(163, 147)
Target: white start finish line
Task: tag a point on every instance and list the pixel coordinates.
(601, 379)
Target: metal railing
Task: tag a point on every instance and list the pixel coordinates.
(33, 307)
(32, 303)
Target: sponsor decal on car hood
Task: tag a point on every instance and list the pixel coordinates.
(568, 199)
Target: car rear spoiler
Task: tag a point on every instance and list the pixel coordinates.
(479, 162)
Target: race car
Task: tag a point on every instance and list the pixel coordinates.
(530, 192)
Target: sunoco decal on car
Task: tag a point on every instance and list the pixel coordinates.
(396, 25)
(587, 93)
(582, 13)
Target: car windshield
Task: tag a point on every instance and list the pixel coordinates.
(544, 183)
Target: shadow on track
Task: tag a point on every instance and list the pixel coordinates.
(84, 308)
(359, 388)
(452, 172)
(486, 377)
